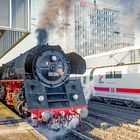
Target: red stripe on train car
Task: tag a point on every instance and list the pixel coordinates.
(101, 88)
(125, 90)
(128, 90)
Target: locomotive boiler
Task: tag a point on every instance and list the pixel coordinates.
(38, 82)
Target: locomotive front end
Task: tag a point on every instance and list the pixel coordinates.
(52, 95)
(38, 82)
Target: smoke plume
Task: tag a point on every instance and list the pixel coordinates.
(50, 15)
(55, 135)
(50, 19)
(52, 135)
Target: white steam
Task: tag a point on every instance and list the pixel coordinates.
(73, 123)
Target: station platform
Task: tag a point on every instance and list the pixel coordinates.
(12, 127)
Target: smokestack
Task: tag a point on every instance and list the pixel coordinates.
(42, 36)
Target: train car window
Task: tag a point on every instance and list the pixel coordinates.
(117, 74)
(109, 75)
(84, 80)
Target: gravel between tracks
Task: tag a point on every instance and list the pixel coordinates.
(124, 130)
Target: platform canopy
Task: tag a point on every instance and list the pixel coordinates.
(14, 23)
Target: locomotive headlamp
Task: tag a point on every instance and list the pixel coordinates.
(41, 98)
(75, 96)
(54, 58)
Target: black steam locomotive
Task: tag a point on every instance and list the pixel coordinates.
(38, 82)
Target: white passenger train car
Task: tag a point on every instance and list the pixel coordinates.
(87, 86)
(115, 83)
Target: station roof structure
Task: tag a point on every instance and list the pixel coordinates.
(14, 23)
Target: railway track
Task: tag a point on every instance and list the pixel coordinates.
(124, 114)
(80, 135)
(127, 116)
(67, 133)
(120, 117)
(118, 108)
(119, 121)
(113, 122)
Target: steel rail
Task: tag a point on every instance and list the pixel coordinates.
(80, 135)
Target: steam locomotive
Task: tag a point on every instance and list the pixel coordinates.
(38, 82)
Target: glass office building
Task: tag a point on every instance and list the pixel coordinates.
(99, 30)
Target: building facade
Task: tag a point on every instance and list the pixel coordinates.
(18, 22)
(98, 30)
(14, 23)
